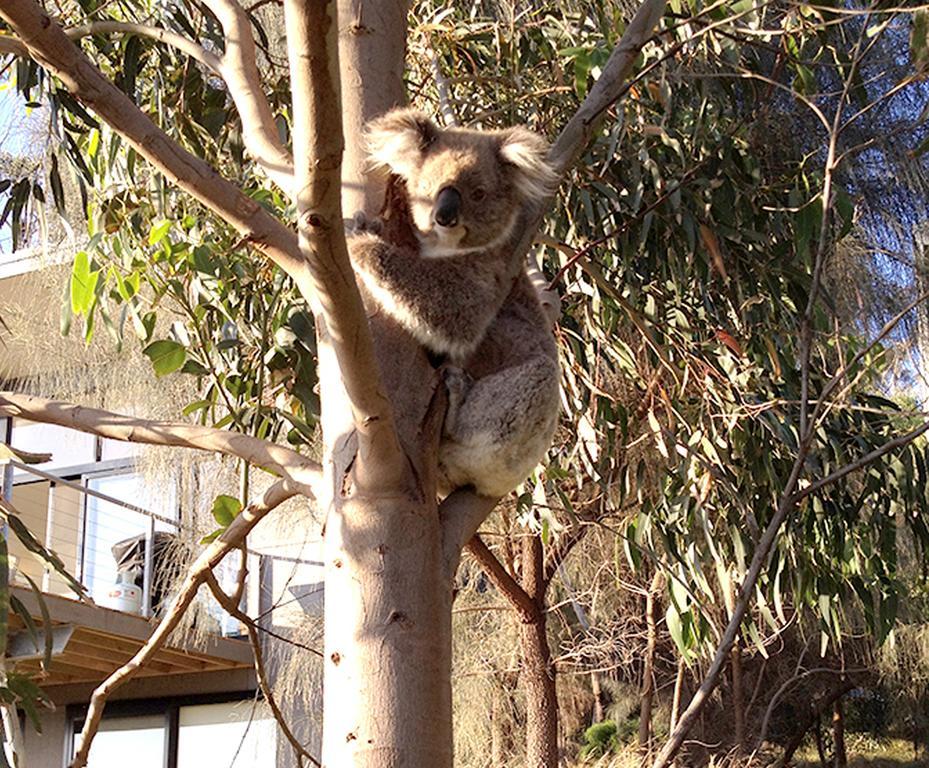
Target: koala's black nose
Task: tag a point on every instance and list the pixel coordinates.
(447, 207)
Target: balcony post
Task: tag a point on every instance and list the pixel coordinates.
(147, 575)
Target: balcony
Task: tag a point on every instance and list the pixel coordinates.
(120, 553)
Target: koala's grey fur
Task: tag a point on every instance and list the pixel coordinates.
(462, 291)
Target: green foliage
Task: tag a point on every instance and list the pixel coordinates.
(608, 737)
(16, 688)
(225, 509)
(600, 739)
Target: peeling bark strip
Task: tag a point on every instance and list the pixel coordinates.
(48, 44)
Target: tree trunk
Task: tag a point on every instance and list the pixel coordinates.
(838, 733)
(372, 53)
(538, 672)
(648, 672)
(387, 691)
(387, 679)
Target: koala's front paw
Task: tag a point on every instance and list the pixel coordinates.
(361, 222)
(458, 384)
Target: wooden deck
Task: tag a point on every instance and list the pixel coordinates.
(91, 642)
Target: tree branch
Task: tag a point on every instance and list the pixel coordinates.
(197, 575)
(610, 86)
(522, 603)
(312, 44)
(197, 52)
(237, 67)
(231, 606)
(868, 458)
(560, 550)
(48, 44)
(461, 514)
(303, 472)
(240, 71)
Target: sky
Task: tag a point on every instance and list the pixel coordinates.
(15, 125)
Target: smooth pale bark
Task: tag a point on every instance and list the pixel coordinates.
(372, 44)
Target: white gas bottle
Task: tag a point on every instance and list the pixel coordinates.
(123, 596)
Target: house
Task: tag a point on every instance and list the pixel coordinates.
(114, 524)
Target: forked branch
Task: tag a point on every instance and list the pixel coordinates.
(196, 576)
(48, 44)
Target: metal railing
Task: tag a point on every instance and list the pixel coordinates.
(69, 533)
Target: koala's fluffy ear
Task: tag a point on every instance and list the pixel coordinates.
(527, 152)
(399, 138)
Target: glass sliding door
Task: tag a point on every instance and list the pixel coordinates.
(232, 735)
(128, 741)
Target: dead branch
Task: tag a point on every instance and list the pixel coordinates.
(312, 45)
(299, 470)
(231, 605)
(196, 576)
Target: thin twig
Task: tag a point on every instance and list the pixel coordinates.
(231, 605)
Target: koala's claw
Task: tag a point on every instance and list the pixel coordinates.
(458, 383)
(361, 222)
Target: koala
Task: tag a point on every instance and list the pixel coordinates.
(449, 272)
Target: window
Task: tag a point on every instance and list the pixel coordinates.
(136, 741)
(228, 735)
(107, 524)
(68, 447)
(166, 733)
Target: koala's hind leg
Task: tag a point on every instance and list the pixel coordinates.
(499, 428)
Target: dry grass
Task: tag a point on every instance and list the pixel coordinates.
(873, 753)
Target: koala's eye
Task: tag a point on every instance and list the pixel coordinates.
(478, 194)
